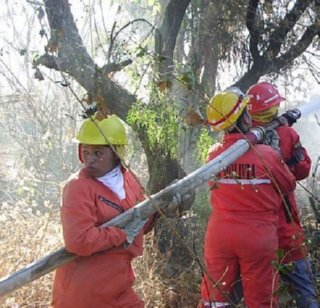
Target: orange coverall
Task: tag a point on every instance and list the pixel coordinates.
(241, 236)
(102, 275)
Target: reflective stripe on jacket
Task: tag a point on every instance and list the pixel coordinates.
(253, 184)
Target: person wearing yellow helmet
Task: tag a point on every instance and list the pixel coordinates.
(98, 134)
(102, 275)
(241, 236)
(225, 109)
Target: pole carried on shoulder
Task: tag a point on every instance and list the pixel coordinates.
(146, 208)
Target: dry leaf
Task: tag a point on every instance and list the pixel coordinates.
(163, 85)
(193, 117)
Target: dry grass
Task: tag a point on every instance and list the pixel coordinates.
(26, 236)
(160, 290)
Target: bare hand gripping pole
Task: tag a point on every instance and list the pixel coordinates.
(146, 208)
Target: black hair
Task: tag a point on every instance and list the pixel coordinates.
(240, 126)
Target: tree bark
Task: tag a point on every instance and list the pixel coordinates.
(165, 40)
(69, 55)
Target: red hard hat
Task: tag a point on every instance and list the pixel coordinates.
(263, 95)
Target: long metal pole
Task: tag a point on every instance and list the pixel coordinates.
(146, 208)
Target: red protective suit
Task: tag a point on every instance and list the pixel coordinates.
(241, 236)
(104, 279)
(291, 237)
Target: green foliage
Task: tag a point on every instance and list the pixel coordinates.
(158, 120)
(188, 79)
(203, 144)
(201, 206)
(285, 268)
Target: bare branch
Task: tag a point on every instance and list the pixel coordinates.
(253, 28)
(47, 60)
(270, 61)
(167, 36)
(113, 36)
(296, 50)
(285, 26)
(73, 58)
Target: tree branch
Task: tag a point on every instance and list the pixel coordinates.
(48, 61)
(73, 58)
(268, 62)
(115, 67)
(254, 31)
(296, 50)
(167, 36)
(286, 25)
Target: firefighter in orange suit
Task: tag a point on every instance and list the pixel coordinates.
(241, 236)
(263, 107)
(101, 275)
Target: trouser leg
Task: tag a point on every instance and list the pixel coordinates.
(260, 278)
(302, 282)
(218, 282)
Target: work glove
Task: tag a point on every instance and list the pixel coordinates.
(256, 135)
(291, 116)
(133, 227)
(272, 138)
(179, 205)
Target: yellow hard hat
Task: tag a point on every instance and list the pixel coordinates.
(106, 131)
(225, 108)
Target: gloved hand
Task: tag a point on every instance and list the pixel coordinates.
(172, 209)
(133, 227)
(272, 138)
(178, 205)
(291, 116)
(256, 135)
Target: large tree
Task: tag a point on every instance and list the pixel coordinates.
(276, 39)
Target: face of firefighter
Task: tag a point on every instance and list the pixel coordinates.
(98, 159)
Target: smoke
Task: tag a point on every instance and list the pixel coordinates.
(311, 107)
(309, 130)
